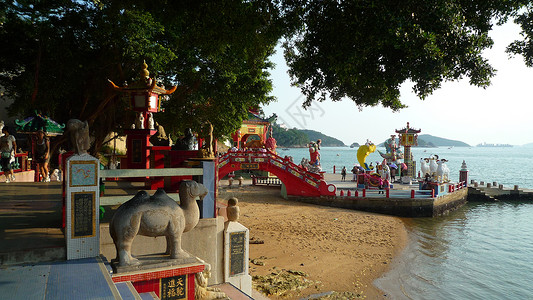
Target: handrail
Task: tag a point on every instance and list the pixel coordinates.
(152, 172)
(249, 155)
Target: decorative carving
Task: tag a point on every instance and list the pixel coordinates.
(79, 136)
(233, 211)
(311, 168)
(201, 290)
(151, 121)
(207, 148)
(158, 215)
(139, 122)
(160, 138)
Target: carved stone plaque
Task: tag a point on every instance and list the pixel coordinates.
(237, 251)
(83, 218)
(173, 288)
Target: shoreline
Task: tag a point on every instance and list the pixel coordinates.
(339, 250)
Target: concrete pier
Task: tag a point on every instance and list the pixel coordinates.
(396, 206)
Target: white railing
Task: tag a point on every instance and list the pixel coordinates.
(129, 173)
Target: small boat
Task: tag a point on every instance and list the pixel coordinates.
(284, 148)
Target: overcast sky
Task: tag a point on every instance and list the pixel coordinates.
(502, 113)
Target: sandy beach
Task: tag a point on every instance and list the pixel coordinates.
(332, 249)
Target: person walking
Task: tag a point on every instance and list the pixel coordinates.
(42, 155)
(343, 173)
(8, 148)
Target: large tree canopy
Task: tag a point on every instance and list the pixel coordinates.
(56, 56)
(366, 49)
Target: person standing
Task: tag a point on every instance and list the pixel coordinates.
(42, 155)
(8, 148)
(343, 173)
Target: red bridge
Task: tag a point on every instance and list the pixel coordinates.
(297, 180)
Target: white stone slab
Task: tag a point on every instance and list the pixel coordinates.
(236, 256)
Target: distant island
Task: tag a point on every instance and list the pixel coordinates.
(430, 141)
(297, 138)
(427, 140)
(493, 145)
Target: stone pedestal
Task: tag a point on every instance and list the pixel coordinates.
(167, 278)
(236, 256)
(82, 207)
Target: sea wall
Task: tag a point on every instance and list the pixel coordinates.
(403, 207)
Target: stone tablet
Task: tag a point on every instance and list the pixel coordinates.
(83, 219)
(237, 252)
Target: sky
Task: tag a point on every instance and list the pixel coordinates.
(501, 113)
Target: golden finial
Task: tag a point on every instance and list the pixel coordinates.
(145, 74)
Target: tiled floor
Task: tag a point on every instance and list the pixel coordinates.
(74, 279)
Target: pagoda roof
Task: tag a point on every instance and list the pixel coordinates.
(408, 130)
(254, 118)
(33, 123)
(144, 84)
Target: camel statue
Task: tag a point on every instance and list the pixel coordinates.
(158, 215)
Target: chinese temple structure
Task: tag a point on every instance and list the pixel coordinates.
(254, 126)
(145, 98)
(408, 137)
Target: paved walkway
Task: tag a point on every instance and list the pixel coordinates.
(31, 217)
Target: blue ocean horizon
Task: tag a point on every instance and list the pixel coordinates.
(479, 251)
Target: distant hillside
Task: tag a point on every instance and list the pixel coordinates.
(327, 141)
(301, 137)
(439, 142)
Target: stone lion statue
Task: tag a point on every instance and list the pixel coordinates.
(79, 136)
(201, 290)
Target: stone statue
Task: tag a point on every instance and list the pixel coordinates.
(139, 122)
(186, 142)
(151, 121)
(201, 290)
(207, 148)
(158, 215)
(1, 127)
(79, 136)
(233, 211)
(160, 138)
(311, 168)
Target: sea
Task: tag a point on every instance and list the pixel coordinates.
(479, 251)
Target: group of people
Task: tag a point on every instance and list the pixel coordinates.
(8, 149)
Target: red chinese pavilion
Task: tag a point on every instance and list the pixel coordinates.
(408, 137)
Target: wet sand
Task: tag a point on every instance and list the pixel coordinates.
(340, 250)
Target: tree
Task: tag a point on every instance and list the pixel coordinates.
(364, 50)
(58, 55)
(524, 47)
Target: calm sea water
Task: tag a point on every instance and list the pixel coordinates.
(480, 251)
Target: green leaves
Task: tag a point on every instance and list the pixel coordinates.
(365, 50)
